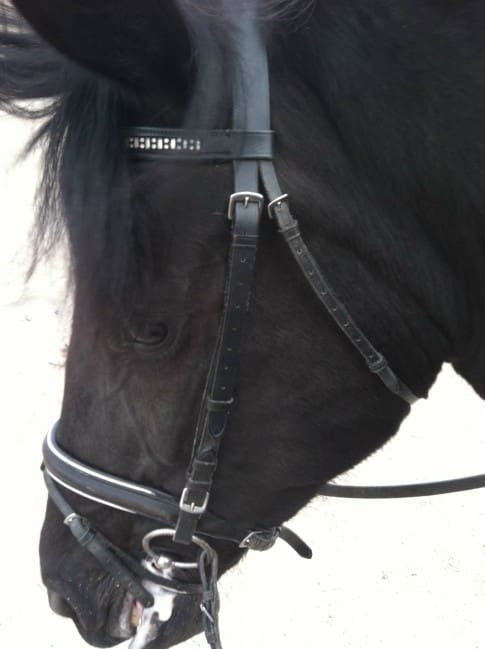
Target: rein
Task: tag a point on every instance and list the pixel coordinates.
(412, 490)
(249, 147)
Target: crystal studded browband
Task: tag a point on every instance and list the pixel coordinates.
(186, 144)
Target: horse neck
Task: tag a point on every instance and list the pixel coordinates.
(469, 361)
(392, 218)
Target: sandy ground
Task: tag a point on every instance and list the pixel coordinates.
(404, 574)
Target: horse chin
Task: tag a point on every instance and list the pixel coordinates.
(149, 630)
(147, 622)
(171, 619)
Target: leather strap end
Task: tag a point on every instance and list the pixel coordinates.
(296, 543)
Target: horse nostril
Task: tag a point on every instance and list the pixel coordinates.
(59, 605)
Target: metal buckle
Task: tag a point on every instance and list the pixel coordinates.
(276, 203)
(260, 540)
(70, 518)
(192, 508)
(245, 198)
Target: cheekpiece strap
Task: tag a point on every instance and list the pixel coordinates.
(187, 144)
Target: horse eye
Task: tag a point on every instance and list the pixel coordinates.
(148, 334)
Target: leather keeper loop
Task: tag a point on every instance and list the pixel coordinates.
(219, 406)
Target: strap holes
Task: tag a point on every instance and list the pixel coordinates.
(358, 340)
(323, 292)
(346, 324)
(334, 309)
(243, 260)
(299, 251)
(228, 349)
(310, 273)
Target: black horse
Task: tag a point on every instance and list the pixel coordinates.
(378, 114)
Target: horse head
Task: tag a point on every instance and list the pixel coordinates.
(376, 147)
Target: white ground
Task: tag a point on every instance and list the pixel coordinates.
(403, 574)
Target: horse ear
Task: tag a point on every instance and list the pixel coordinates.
(137, 43)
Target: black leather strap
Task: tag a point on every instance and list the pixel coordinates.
(412, 490)
(216, 407)
(161, 506)
(251, 113)
(213, 146)
(86, 536)
(122, 567)
(125, 495)
(289, 228)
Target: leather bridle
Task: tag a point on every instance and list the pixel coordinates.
(249, 146)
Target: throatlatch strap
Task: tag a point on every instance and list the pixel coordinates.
(288, 226)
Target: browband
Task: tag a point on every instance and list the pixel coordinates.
(187, 144)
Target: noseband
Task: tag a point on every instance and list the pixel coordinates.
(249, 147)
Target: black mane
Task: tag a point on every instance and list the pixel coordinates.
(85, 185)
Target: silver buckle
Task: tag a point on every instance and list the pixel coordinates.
(245, 198)
(276, 204)
(260, 540)
(192, 508)
(70, 518)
